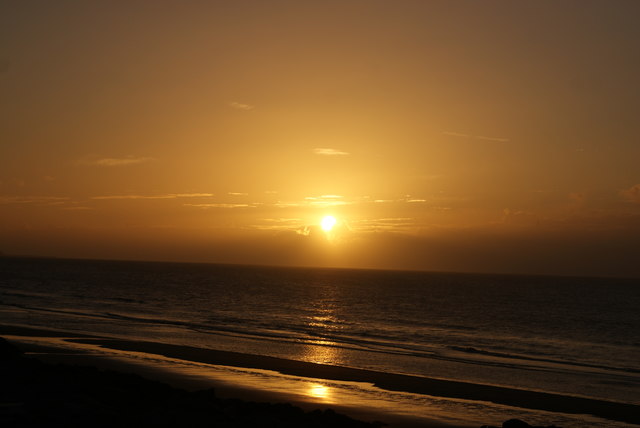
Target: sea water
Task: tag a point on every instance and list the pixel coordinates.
(566, 335)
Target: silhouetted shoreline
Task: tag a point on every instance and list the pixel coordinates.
(389, 381)
(394, 382)
(37, 394)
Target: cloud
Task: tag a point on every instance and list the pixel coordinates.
(163, 196)
(496, 139)
(78, 208)
(238, 194)
(384, 224)
(44, 200)
(133, 197)
(476, 137)
(240, 106)
(325, 200)
(279, 224)
(192, 195)
(315, 201)
(219, 205)
(632, 194)
(111, 162)
(325, 151)
(408, 199)
(288, 204)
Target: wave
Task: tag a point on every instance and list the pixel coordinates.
(364, 341)
(472, 350)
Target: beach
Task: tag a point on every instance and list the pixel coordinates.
(63, 356)
(303, 385)
(404, 348)
(320, 213)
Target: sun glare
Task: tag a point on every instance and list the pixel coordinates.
(319, 391)
(328, 222)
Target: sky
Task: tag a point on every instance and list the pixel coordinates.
(457, 135)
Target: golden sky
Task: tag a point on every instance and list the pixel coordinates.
(491, 136)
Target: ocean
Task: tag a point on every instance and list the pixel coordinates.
(563, 335)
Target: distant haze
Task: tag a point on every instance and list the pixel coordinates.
(493, 136)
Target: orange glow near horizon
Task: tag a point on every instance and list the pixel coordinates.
(222, 132)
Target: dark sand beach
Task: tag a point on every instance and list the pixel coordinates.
(165, 384)
(35, 393)
(389, 381)
(48, 384)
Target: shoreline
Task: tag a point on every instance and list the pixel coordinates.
(621, 412)
(48, 346)
(523, 399)
(37, 392)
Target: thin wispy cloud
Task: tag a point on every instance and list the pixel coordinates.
(314, 201)
(115, 162)
(407, 199)
(278, 224)
(162, 196)
(324, 197)
(238, 194)
(282, 220)
(192, 195)
(107, 197)
(476, 137)
(43, 200)
(384, 224)
(496, 139)
(219, 205)
(241, 106)
(288, 204)
(325, 200)
(78, 208)
(326, 151)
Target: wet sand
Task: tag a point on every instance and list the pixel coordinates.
(39, 394)
(56, 348)
(387, 381)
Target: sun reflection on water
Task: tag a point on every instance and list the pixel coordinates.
(323, 321)
(320, 392)
(321, 352)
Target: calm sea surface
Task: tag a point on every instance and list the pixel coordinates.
(577, 336)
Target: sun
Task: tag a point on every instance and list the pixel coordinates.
(328, 222)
